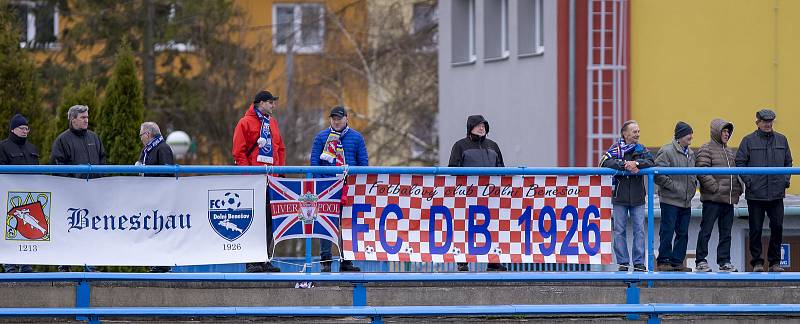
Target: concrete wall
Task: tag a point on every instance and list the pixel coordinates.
(517, 95)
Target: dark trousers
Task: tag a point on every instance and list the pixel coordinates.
(269, 234)
(723, 215)
(674, 224)
(774, 210)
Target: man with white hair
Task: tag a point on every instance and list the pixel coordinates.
(155, 152)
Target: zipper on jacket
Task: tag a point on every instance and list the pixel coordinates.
(730, 192)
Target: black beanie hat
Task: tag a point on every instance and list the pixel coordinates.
(682, 129)
(17, 121)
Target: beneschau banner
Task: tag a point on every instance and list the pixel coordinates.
(158, 221)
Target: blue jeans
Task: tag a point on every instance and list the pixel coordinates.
(620, 218)
(674, 220)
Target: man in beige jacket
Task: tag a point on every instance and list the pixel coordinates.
(719, 193)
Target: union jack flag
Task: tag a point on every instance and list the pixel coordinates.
(304, 208)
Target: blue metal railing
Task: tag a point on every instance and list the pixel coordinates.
(649, 173)
(360, 308)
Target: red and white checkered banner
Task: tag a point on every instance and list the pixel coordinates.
(518, 219)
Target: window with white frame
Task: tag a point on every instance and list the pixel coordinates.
(38, 23)
(531, 27)
(463, 31)
(167, 16)
(495, 29)
(302, 25)
(424, 19)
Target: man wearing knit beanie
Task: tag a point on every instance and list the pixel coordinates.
(16, 150)
(675, 194)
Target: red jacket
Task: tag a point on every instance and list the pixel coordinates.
(245, 136)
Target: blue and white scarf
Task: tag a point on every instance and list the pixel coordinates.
(265, 151)
(618, 151)
(150, 146)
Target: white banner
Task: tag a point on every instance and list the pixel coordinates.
(131, 220)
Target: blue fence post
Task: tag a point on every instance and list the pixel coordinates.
(650, 225)
(359, 294)
(83, 295)
(653, 319)
(377, 319)
(632, 297)
(308, 242)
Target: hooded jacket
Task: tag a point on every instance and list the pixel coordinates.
(720, 188)
(245, 137)
(761, 149)
(16, 150)
(476, 151)
(676, 190)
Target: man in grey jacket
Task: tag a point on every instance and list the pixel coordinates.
(764, 193)
(675, 194)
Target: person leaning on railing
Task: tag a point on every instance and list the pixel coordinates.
(155, 152)
(764, 193)
(718, 193)
(16, 150)
(629, 194)
(675, 194)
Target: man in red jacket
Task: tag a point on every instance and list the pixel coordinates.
(257, 141)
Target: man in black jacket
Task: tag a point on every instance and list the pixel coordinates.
(476, 150)
(155, 152)
(78, 145)
(15, 150)
(629, 194)
(764, 193)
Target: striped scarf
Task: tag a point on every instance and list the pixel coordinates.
(265, 151)
(149, 147)
(334, 151)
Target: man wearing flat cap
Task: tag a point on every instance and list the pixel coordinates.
(764, 193)
(337, 145)
(257, 142)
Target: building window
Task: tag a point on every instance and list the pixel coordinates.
(463, 31)
(495, 29)
(303, 25)
(38, 23)
(167, 17)
(531, 27)
(423, 23)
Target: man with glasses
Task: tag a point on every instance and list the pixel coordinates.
(155, 152)
(16, 150)
(764, 193)
(257, 142)
(337, 145)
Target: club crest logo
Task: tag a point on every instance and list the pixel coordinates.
(307, 209)
(28, 216)
(230, 212)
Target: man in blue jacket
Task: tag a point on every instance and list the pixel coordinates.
(335, 146)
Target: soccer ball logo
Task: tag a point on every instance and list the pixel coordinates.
(231, 200)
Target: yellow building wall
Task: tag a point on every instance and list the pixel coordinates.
(698, 60)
